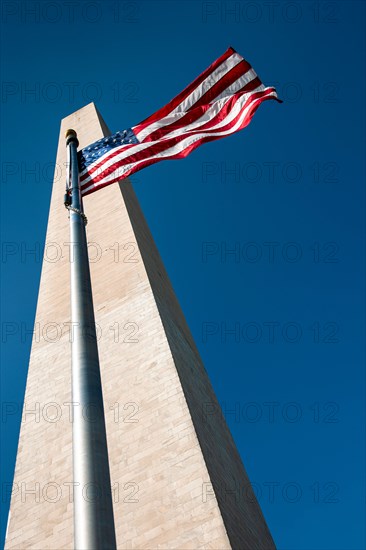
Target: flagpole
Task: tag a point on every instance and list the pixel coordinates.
(93, 509)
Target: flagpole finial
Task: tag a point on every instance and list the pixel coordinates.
(70, 132)
(71, 135)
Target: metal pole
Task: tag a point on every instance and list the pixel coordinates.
(93, 509)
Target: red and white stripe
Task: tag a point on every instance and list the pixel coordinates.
(221, 101)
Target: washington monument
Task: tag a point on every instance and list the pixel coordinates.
(177, 480)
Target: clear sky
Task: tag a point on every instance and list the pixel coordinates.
(286, 194)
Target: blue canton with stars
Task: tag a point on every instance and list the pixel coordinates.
(93, 152)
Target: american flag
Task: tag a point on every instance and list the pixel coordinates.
(221, 101)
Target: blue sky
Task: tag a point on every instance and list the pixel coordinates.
(286, 194)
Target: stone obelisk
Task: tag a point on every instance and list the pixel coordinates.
(178, 481)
